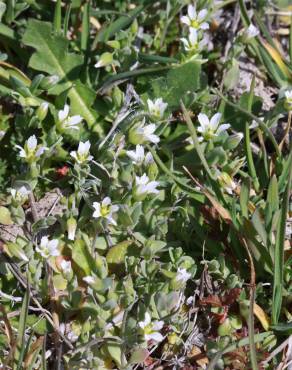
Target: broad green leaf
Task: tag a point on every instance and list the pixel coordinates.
(52, 57)
(139, 355)
(5, 216)
(178, 83)
(82, 257)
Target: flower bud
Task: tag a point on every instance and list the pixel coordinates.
(71, 228)
(134, 137)
(233, 141)
(42, 111)
(49, 82)
(104, 60)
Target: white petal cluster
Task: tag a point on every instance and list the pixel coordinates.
(48, 248)
(82, 154)
(250, 32)
(143, 185)
(146, 132)
(66, 121)
(66, 267)
(192, 43)
(195, 20)
(138, 156)
(20, 195)
(157, 108)
(105, 210)
(31, 150)
(182, 276)
(209, 129)
(150, 330)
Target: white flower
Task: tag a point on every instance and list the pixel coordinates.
(72, 336)
(31, 150)
(182, 275)
(66, 121)
(66, 267)
(89, 279)
(211, 128)
(20, 195)
(138, 156)
(48, 248)
(105, 210)
(192, 43)
(194, 19)
(288, 100)
(146, 133)
(157, 107)
(250, 32)
(82, 155)
(225, 181)
(2, 133)
(144, 186)
(151, 330)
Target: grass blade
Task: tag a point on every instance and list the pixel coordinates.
(279, 252)
(20, 348)
(57, 18)
(85, 26)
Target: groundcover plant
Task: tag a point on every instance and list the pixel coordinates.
(145, 183)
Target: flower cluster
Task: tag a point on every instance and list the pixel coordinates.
(197, 24)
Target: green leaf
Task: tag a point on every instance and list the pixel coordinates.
(52, 56)
(82, 257)
(139, 355)
(244, 197)
(178, 84)
(5, 216)
(232, 75)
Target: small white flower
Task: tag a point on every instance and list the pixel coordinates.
(66, 121)
(151, 330)
(105, 210)
(147, 133)
(89, 279)
(194, 19)
(225, 181)
(250, 32)
(157, 107)
(192, 43)
(20, 195)
(211, 128)
(48, 248)
(31, 150)
(144, 186)
(72, 336)
(66, 267)
(182, 275)
(138, 156)
(2, 133)
(82, 155)
(288, 100)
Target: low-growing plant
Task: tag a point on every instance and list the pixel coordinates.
(145, 214)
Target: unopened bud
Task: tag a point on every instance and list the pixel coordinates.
(233, 141)
(71, 228)
(42, 111)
